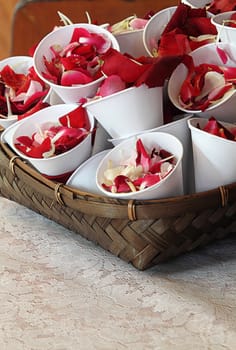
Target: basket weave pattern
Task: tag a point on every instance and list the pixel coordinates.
(142, 233)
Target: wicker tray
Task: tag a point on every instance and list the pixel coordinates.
(143, 233)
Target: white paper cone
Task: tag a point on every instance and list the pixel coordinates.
(62, 36)
(226, 33)
(60, 164)
(224, 109)
(155, 27)
(129, 111)
(214, 157)
(170, 186)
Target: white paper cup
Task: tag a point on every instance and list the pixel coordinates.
(214, 157)
(60, 164)
(155, 27)
(178, 128)
(62, 37)
(84, 177)
(20, 65)
(129, 111)
(225, 33)
(170, 186)
(224, 109)
(131, 42)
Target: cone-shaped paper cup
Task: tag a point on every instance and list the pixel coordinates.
(226, 33)
(170, 186)
(155, 27)
(60, 164)
(20, 65)
(178, 128)
(224, 109)
(214, 157)
(62, 37)
(129, 111)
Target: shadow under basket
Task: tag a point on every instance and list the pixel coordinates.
(143, 233)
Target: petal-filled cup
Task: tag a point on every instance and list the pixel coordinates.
(20, 65)
(58, 165)
(225, 32)
(131, 110)
(155, 27)
(224, 108)
(62, 36)
(170, 186)
(214, 157)
(178, 128)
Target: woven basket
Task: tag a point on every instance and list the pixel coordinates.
(143, 233)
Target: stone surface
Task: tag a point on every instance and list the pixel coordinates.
(60, 292)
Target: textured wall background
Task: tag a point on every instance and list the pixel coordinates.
(6, 13)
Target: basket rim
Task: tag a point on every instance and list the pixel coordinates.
(119, 208)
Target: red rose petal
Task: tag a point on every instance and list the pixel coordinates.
(219, 6)
(115, 63)
(74, 77)
(78, 118)
(35, 151)
(111, 85)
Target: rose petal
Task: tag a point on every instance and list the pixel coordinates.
(147, 180)
(229, 73)
(219, 92)
(143, 157)
(196, 26)
(37, 107)
(74, 77)
(35, 151)
(78, 118)
(219, 6)
(115, 63)
(173, 43)
(121, 184)
(159, 71)
(214, 127)
(99, 41)
(233, 20)
(12, 79)
(222, 54)
(33, 88)
(138, 23)
(180, 36)
(111, 85)
(212, 80)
